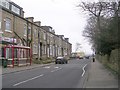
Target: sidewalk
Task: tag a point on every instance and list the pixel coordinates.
(99, 77)
(22, 68)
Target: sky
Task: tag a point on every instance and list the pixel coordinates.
(63, 15)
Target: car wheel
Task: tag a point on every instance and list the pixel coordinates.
(55, 62)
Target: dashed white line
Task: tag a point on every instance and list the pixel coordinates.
(47, 67)
(28, 80)
(56, 70)
(83, 70)
(56, 67)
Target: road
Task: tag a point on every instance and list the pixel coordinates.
(71, 75)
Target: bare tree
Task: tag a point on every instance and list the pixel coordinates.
(101, 24)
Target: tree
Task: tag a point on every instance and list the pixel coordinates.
(102, 25)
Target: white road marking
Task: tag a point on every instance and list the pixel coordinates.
(28, 80)
(47, 67)
(56, 70)
(83, 70)
(56, 67)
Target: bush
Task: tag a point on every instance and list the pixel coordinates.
(113, 62)
(43, 61)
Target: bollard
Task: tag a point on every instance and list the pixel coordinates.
(93, 59)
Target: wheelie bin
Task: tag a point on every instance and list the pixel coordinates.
(4, 63)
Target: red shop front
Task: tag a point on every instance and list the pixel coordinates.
(17, 55)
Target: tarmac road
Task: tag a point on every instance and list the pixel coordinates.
(71, 75)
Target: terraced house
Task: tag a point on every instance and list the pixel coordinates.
(15, 29)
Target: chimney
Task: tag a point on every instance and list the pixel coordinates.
(30, 19)
(53, 31)
(61, 36)
(67, 39)
(38, 23)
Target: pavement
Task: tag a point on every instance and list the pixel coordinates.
(100, 77)
(22, 68)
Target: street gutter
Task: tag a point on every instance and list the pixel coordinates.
(43, 65)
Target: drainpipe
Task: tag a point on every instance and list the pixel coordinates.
(27, 33)
(13, 41)
(31, 45)
(39, 43)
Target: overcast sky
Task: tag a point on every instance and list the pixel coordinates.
(63, 15)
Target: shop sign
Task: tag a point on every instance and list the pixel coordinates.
(6, 39)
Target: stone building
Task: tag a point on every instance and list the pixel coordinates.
(15, 29)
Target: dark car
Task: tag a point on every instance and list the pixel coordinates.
(61, 60)
(87, 57)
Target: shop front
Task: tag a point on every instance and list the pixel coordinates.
(12, 54)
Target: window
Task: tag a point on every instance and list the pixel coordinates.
(35, 49)
(50, 29)
(59, 50)
(8, 24)
(56, 50)
(51, 50)
(16, 9)
(48, 37)
(25, 30)
(51, 37)
(48, 53)
(44, 47)
(8, 53)
(35, 33)
(5, 3)
(29, 30)
(44, 36)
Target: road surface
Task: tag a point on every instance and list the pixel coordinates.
(71, 75)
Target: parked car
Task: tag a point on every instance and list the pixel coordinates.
(61, 60)
(80, 57)
(87, 57)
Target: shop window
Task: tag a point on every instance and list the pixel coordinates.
(8, 53)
